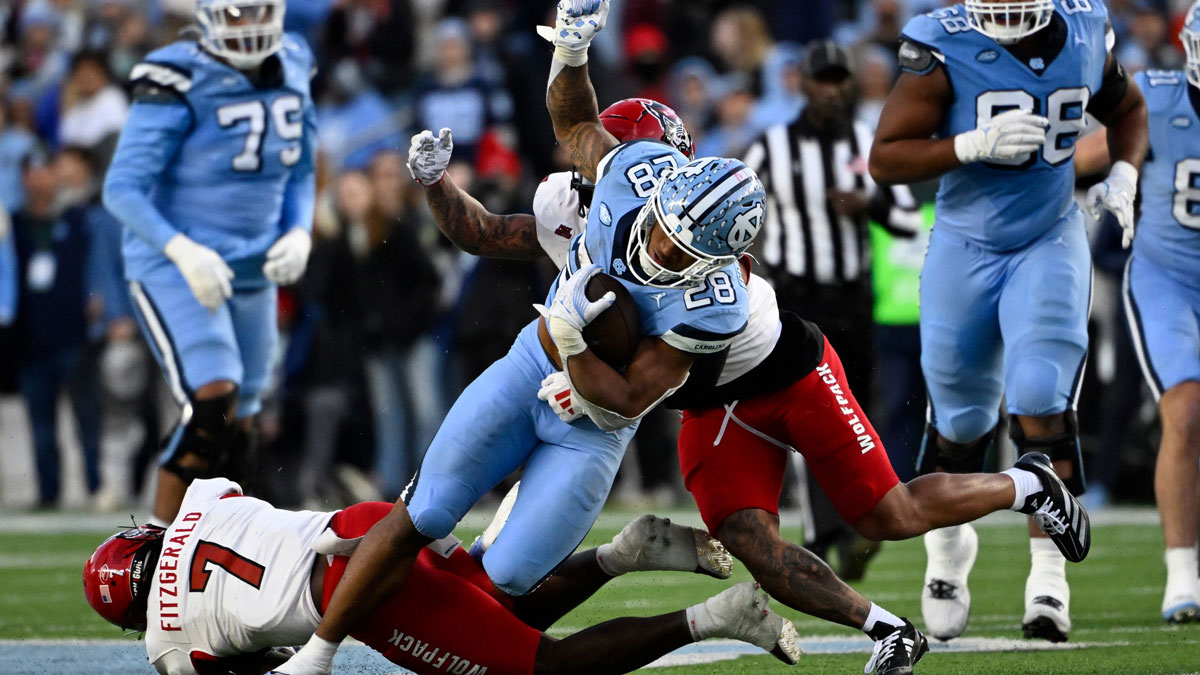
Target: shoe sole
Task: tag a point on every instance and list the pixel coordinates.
(712, 557)
(787, 647)
(1182, 615)
(1043, 628)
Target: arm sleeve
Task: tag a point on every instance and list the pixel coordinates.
(152, 135)
(300, 195)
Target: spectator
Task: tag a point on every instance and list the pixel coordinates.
(646, 61)
(355, 121)
(734, 128)
(52, 327)
(16, 145)
(876, 74)
(93, 108)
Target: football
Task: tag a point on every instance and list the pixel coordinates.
(613, 335)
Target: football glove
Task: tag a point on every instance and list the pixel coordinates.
(429, 156)
(288, 256)
(556, 392)
(1116, 194)
(571, 311)
(1005, 136)
(202, 268)
(576, 24)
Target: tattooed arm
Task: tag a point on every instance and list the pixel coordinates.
(478, 231)
(576, 117)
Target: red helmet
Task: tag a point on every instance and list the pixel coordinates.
(116, 579)
(635, 118)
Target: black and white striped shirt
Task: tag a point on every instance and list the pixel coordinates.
(804, 241)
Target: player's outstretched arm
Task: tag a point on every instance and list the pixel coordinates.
(904, 150)
(460, 216)
(656, 370)
(570, 97)
(1120, 106)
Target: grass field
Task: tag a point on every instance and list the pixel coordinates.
(1115, 601)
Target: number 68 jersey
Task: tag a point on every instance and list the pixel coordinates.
(1002, 205)
(232, 578)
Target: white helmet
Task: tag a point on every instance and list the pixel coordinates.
(1190, 37)
(1007, 21)
(242, 32)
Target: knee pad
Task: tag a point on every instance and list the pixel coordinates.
(208, 433)
(1063, 447)
(1035, 386)
(970, 459)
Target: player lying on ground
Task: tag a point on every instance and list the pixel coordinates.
(214, 181)
(233, 578)
(992, 97)
(1162, 303)
(499, 425)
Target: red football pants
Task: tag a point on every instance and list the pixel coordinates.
(445, 618)
(733, 457)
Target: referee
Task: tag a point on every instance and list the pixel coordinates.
(814, 244)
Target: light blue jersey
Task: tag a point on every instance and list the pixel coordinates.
(1162, 279)
(698, 319)
(1002, 205)
(1168, 231)
(208, 153)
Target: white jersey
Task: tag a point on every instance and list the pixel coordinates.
(556, 213)
(233, 578)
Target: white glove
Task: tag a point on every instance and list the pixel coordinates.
(314, 658)
(288, 256)
(571, 311)
(202, 268)
(556, 392)
(1005, 136)
(576, 24)
(429, 156)
(1116, 194)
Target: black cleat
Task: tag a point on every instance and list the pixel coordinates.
(1055, 509)
(898, 652)
(1043, 628)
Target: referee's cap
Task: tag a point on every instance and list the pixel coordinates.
(826, 60)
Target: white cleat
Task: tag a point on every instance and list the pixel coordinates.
(652, 543)
(945, 600)
(741, 612)
(1180, 603)
(1047, 608)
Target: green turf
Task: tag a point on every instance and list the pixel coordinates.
(1114, 604)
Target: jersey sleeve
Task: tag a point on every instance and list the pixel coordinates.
(159, 121)
(203, 491)
(556, 216)
(713, 314)
(708, 334)
(300, 194)
(173, 662)
(919, 50)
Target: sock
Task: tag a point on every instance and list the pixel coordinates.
(700, 622)
(1180, 564)
(604, 558)
(880, 623)
(1025, 483)
(946, 536)
(1045, 558)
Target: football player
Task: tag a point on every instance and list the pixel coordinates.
(233, 578)
(1162, 304)
(779, 387)
(1004, 87)
(213, 180)
(673, 244)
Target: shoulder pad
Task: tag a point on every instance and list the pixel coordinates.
(915, 58)
(158, 81)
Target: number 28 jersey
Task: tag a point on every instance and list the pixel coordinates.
(1168, 232)
(1005, 204)
(700, 319)
(232, 578)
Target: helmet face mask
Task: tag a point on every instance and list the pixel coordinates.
(242, 32)
(710, 209)
(1190, 37)
(117, 577)
(1008, 21)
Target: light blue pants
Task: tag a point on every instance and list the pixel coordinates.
(1164, 322)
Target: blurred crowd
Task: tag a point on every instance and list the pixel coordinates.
(390, 321)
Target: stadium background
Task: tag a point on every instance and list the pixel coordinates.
(391, 321)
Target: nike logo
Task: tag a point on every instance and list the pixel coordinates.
(1060, 241)
(658, 299)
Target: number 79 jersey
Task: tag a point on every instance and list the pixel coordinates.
(232, 578)
(1168, 232)
(701, 319)
(1001, 205)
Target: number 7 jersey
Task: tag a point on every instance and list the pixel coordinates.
(1002, 205)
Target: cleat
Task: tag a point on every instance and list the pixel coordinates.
(945, 599)
(1055, 510)
(1181, 609)
(653, 543)
(1047, 607)
(897, 653)
(741, 613)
